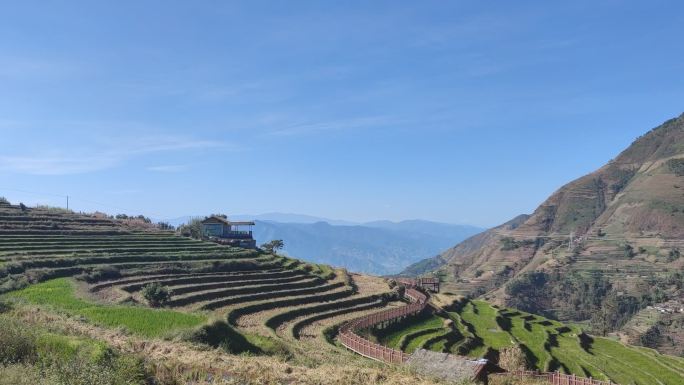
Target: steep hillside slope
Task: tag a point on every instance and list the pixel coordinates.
(462, 254)
(611, 237)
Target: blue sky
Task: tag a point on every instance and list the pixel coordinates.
(463, 111)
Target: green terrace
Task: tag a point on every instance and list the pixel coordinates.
(478, 329)
(59, 294)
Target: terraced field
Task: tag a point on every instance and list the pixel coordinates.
(40, 243)
(478, 329)
(96, 268)
(92, 270)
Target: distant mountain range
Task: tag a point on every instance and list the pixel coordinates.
(271, 217)
(379, 247)
(376, 248)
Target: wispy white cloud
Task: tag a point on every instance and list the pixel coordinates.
(331, 125)
(170, 168)
(92, 157)
(56, 164)
(25, 67)
(169, 143)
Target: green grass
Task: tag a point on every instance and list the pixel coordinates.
(60, 294)
(393, 338)
(68, 347)
(550, 345)
(483, 318)
(535, 338)
(417, 342)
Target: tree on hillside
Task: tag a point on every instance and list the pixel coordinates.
(628, 251)
(273, 246)
(165, 226)
(156, 294)
(192, 229)
(673, 255)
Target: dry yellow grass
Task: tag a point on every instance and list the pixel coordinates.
(175, 359)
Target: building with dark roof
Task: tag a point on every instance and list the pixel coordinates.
(221, 230)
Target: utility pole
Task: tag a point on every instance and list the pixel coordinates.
(67, 202)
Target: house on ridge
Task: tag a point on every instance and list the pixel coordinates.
(226, 232)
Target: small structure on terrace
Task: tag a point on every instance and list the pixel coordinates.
(221, 230)
(427, 283)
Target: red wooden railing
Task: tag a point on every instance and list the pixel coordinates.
(555, 378)
(364, 347)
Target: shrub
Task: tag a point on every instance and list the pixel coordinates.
(54, 209)
(82, 371)
(13, 283)
(628, 251)
(673, 255)
(220, 334)
(399, 291)
(156, 294)
(192, 229)
(652, 337)
(676, 166)
(512, 358)
(4, 307)
(273, 246)
(165, 226)
(508, 243)
(17, 343)
(22, 374)
(100, 274)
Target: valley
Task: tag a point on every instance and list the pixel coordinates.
(85, 277)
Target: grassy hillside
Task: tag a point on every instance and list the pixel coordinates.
(240, 315)
(82, 277)
(478, 329)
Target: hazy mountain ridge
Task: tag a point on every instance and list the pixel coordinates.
(462, 251)
(379, 248)
(272, 217)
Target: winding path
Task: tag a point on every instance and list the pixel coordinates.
(366, 348)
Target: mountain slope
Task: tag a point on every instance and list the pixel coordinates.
(462, 253)
(379, 247)
(612, 235)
